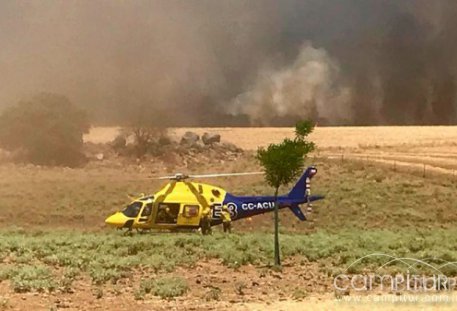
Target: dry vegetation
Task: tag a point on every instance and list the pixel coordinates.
(402, 146)
(47, 213)
(325, 137)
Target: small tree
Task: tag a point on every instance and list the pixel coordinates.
(282, 164)
(148, 126)
(48, 129)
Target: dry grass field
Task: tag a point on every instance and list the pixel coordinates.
(56, 253)
(325, 137)
(409, 147)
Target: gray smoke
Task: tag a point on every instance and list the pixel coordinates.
(308, 88)
(203, 62)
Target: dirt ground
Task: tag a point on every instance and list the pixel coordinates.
(260, 289)
(253, 286)
(37, 198)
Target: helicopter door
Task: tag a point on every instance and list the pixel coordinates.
(190, 215)
(167, 214)
(145, 213)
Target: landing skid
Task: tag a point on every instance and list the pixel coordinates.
(130, 232)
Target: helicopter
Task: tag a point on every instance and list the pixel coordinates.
(181, 203)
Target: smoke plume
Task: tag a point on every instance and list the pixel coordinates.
(309, 88)
(240, 62)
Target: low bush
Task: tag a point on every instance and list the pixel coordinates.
(30, 278)
(101, 275)
(169, 287)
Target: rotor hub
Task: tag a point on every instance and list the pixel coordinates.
(180, 177)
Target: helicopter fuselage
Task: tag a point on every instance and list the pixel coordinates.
(182, 204)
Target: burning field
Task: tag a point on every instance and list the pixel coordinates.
(56, 252)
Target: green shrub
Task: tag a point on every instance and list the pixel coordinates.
(101, 275)
(169, 287)
(5, 273)
(24, 258)
(29, 278)
(51, 260)
(158, 262)
(68, 278)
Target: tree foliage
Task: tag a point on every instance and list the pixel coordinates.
(303, 129)
(283, 163)
(148, 127)
(48, 129)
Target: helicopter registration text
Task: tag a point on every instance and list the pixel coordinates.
(233, 208)
(257, 205)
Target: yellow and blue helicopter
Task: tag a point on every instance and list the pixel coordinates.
(181, 204)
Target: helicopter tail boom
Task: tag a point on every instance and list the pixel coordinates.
(302, 192)
(248, 206)
(299, 191)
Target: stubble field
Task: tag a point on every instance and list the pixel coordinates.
(388, 189)
(404, 146)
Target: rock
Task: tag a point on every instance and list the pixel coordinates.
(189, 138)
(164, 140)
(198, 146)
(231, 147)
(100, 156)
(209, 139)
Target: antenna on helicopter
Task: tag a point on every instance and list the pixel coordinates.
(181, 176)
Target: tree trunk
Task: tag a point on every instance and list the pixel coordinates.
(277, 255)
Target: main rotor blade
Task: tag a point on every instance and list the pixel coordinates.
(163, 177)
(185, 176)
(225, 175)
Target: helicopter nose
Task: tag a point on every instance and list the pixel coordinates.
(116, 220)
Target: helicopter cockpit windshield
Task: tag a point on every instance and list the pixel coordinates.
(133, 209)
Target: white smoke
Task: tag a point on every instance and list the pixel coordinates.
(309, 88)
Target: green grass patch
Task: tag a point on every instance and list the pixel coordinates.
(169, 287)
(32, 278)
(165, 287)
(106, 257)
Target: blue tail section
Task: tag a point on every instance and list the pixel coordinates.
(299, 193)
(299, 190)
(248, 206)
(297, 212)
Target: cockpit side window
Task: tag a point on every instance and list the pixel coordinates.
(147, 210)
(133, 209)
